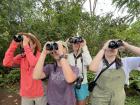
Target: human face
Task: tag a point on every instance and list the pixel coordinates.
(55, 55)
(111, 52)
(32, 45)
(76, 46)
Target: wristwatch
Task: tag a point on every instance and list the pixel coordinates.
(61, 56)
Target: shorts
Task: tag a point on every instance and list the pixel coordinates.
(82, 93)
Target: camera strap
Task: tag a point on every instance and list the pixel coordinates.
(103, 70)
(76, 57)
(92, 84)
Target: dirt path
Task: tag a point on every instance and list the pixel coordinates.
(9, 98)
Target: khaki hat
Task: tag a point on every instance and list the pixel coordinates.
(33, 38)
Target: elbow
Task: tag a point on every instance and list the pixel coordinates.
(92, 68)
(71, 80)
(6, 64)
(35, 77)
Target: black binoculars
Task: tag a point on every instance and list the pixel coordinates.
(18, 38)
(52, 46)
(115, 44)
(75, 40)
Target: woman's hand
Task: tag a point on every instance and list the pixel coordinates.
(125, 44)
(17, 43)
(60, 48)
(45, 51)
(106, 45)
(25, 40)
(83, 43)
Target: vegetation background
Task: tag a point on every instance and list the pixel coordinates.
(60, 19)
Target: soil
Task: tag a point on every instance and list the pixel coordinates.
(9, 98)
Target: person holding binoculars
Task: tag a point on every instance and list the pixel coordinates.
(31, 91)
(80, 57)
(109, 88)
(60, 74)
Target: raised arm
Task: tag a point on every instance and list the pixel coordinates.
(9, 59)
(69, 74)
(131, 63)
(95, 64)
(132, 48)
(38, 72)
(32, 59)
(86, 54)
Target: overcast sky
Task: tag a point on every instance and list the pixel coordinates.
(103, 7)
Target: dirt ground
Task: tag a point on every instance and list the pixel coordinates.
(9, 98)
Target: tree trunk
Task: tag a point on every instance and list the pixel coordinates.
(94, 6)
(90, 6)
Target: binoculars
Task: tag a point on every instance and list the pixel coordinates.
(76, 40)
(18, 38)
(115, 44)
(52, 46)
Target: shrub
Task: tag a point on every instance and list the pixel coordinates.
(13, 77)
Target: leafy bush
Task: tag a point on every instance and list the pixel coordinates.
(133, 100)
(2, 82)
(13, 76)
(90, 76)
(135, 80)
(10, 80)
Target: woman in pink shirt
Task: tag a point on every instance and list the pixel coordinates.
(31, 90)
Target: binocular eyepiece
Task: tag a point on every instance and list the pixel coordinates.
(75, 40)
(115, 44)
(52, 46)
(18, 38)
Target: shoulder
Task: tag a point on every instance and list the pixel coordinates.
(70, 54)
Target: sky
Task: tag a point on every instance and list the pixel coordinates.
(103, 7)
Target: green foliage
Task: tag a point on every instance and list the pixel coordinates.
(132, 6)
(13, 76)
(90, 76)
(135, 79)
(11, 79)
(133, 100)
(51, 20)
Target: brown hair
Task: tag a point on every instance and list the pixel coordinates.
(34, 40)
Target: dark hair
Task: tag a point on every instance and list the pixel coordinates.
(118, 63)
